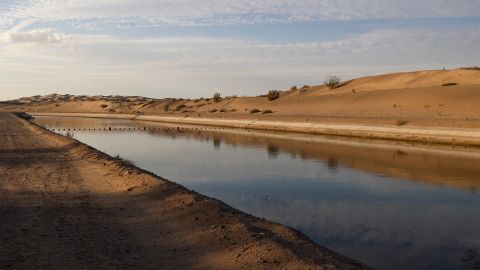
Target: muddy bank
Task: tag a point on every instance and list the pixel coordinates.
(432, 135)
(66, 205)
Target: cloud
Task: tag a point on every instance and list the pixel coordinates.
(18, 34)
(37, 36)
(214, 12)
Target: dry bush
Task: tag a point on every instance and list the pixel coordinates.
(267, 111)
(273, 94)
(254, 111)
(217, 97)
(332, 82)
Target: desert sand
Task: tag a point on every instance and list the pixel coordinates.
(66, 205)
(440, 106)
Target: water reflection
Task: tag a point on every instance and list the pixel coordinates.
(392, 206)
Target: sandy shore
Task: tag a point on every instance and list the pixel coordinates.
(66, 205)
(431, 135)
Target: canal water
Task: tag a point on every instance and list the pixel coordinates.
(389, 205)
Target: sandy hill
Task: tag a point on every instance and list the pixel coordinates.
(404, 80)
(431, 98)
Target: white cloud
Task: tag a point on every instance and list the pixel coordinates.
(39, 36)
(17, 34)
(235, 12)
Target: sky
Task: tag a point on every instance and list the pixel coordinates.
(193, 48)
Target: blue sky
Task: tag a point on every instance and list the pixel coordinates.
(192, 48)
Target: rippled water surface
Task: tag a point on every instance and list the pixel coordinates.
(391, 206)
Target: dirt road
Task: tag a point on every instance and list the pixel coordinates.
(64, 205)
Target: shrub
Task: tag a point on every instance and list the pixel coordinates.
(213, 110)
(273, 94)
(332, 82)
(449, 84)
(217, 97)
(254, 111)
(267, 111)
(305, 86)
(103, 106)
(293, 88)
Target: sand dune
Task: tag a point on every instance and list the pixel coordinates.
(449, 99)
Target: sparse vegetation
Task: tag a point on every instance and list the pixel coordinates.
(217, 97)
(273, 94)
(267, 112)
(103, 106)
(124, 160)
(305, 86)
(254, 111)
(293, 88)
(213, 110)
(332, 82)
(471, 68)
(449, 84)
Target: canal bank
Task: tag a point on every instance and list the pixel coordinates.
(429, 135)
